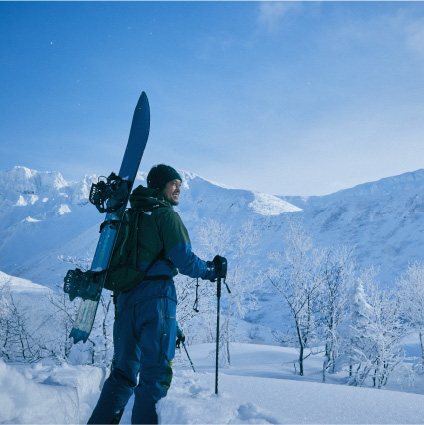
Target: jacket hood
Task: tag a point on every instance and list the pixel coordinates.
(145, 198)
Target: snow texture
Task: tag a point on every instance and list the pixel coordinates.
(260, 388)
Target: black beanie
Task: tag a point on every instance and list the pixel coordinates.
(160, 175)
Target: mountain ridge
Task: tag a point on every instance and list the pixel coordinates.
(41, 214)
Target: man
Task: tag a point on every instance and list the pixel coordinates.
(145, 324)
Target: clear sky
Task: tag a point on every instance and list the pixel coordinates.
(302, 98)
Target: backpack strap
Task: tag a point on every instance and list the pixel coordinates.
(154, 261)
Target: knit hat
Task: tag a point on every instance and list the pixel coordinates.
(160, 175)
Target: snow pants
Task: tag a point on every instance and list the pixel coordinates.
(144, 336)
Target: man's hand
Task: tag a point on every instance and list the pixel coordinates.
(220, 264)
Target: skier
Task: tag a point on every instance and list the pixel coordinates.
(145, 328)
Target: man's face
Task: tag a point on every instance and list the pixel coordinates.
(172, 191)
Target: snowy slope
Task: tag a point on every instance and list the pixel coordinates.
(260, 387)
(384, 220)
(30, 298)
(43, 217)
(39, 211)
(47, 394)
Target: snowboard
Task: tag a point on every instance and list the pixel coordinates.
(137, 141)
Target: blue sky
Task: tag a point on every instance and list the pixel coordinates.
(302, 98)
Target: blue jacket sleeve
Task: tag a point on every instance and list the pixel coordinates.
(189, 263)
(177, 247)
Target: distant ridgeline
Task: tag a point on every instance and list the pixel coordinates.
(43, 217)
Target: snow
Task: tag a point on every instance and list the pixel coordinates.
(64, 209)
(259, 388)
(97, 269)
(31, 220)
(266, 204)
(21, 202)
(44, 394)
(28, 181)
(383, 219)
(22, 285)
(264, 400)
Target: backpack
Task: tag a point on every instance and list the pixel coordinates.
(123, 273)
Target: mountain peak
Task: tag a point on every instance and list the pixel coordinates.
(26, 181)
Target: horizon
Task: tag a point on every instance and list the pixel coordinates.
(223, 184)
(287, 98)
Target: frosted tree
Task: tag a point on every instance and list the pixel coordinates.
(338, 277)
(356, 340)
(212, 238)
(64, 312)
(195, 298)
(297, 276)
(195, 294)
(411, 293)
(20, 339)
(243, 277)
(376, 332)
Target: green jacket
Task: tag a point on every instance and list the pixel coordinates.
(162, 230)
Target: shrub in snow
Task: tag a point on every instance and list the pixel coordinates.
(376, 331)
(297, 277)
(337, 270)
(217, 238)
(410, 287)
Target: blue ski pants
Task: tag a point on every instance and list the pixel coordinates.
(144, 336)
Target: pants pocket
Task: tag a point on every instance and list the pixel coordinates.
(168, 329)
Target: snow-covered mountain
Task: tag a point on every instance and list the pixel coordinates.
(384, 220)
(39, 212)
(42, 217)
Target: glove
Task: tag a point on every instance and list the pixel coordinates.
(220, 264)
(180, 337)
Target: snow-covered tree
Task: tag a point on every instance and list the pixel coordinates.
(296, 274)
(338, 278)
(64, 313)
(411, 293)
(196, 312)
(20, 336)
(214, 238)
(376, 332)
(195, 308)
(243, 277)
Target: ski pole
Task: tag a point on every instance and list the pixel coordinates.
(218, 294)
(192, 365)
